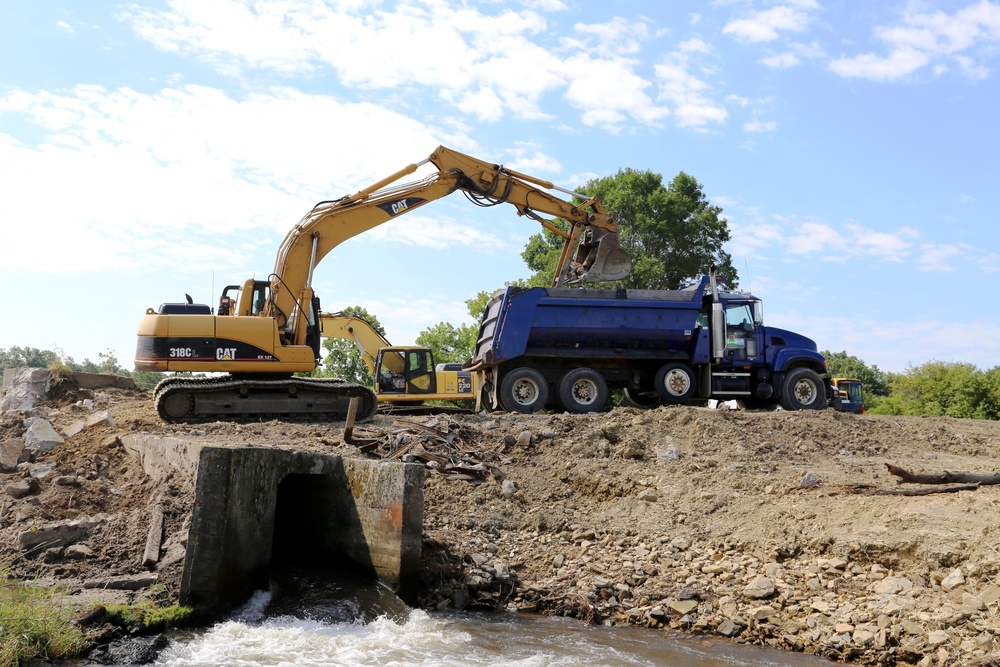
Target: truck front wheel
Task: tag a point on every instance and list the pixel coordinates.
(675, 383)
(583, 390)
(523, 390)
(803, 390)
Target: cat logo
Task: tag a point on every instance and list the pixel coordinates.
(225, 353)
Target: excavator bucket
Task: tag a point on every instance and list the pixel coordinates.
(598, 257)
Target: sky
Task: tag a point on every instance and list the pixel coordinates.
(154, 149)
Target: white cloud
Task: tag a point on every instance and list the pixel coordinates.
(765, 26)
(757, 125)
(485, 64)
(930, 37)
(781, 61)
(687, 94)
(183, 175)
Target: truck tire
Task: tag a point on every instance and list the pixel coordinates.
(523, 390)
(675, 383)
(803, 390)
(583, 390)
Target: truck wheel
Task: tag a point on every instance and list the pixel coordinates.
(583, 390)
(803, 390)
(675, 383)
(523, 390)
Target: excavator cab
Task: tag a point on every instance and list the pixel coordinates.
(405, 370)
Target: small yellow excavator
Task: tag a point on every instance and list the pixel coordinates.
(404, 375)
(265, 331)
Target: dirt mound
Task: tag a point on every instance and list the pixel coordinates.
(766, 526)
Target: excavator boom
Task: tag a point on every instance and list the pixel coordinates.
(271, 329)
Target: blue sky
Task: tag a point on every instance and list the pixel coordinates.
(153, 149)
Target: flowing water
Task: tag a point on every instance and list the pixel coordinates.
(306, 621)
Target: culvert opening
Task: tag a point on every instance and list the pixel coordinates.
(311, 574)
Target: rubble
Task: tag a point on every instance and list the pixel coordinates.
(730, 523)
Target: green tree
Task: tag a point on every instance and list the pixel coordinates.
(26, 357)
(455, 344)
(672, 233)
(943, 388)
(343, 359)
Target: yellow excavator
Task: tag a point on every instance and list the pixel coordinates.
(267, 330)
(404, 374)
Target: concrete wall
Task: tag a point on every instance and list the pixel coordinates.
(368, 512)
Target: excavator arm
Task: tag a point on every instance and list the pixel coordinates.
(590, 252)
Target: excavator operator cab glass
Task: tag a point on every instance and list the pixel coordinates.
(260, 288)
(390, 368)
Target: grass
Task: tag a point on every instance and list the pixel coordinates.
(35, 624)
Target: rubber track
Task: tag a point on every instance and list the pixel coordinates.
(367, 404)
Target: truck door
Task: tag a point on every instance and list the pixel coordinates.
(741, 340)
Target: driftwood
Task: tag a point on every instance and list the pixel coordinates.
(966, 478)
(915, 492)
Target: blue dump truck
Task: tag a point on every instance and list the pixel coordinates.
(565, 348)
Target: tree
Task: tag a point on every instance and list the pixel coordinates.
(343, 360)
(26, 357)
(672, 233)
(455, 344)
(944, 388)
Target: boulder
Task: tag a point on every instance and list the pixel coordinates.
(10, 454)
(28, 387)
(41, 437)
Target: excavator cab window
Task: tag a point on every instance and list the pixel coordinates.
(260, 288)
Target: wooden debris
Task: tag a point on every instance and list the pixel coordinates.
(154, 539)
(968, 478)
(915, 492)
(437, 443)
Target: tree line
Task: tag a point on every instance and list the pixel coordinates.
(55, 360)
(934, 388)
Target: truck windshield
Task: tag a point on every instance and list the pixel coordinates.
(740, 316)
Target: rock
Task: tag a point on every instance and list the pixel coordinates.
(937, 637)
(74, 428)
(10, 453)
(648, 495)
(728, 628)
(59, 534)
(39, 470)
(682, 607)
(524, 439)
(809, 480)
(100, 418)
(41, 437)
(28, 387)
(954, 579)
(507, 488)
(22, 488)
(892, 585)
(762, 613)
(759, 588)
(667, 452)
(78, 552)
